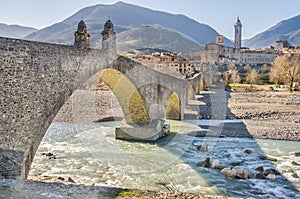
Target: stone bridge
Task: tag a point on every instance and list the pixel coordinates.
(37, 78)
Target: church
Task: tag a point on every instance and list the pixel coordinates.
(217, 54)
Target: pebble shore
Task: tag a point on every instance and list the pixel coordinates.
(264, 115)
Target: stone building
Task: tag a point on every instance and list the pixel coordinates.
(82, 37)
(171, 63)
(256, 57)
(238, 34)
(218, 54)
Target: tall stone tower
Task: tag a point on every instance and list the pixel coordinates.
(238, 34)
(109, 42)
(82, 37)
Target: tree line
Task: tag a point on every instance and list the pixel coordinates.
(285, 70)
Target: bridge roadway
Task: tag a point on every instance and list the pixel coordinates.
(37, 78)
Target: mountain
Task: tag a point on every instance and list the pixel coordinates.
(156, 37)
(285, 30)
(15, 31)
(125, 17)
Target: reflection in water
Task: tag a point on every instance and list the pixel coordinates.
(90, 154)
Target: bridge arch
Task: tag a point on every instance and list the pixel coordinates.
(129, 97)
(173, 109)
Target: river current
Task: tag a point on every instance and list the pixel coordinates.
(90, 154)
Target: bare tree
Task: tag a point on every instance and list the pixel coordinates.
(252, 76)
(235, 77)
(226, 78)
(286, 69)
(247, 68)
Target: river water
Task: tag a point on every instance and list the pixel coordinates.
(89, 154)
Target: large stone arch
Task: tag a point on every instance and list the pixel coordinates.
(129, 97)
(173, 109)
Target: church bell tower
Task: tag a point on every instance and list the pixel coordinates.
(238, 34)
(82, 37)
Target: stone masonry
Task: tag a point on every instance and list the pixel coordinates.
(37, 78)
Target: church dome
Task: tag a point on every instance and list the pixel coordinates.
(81, 25)
(108, 24)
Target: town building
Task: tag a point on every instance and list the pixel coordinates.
(218, 54)
(171, 63)
(257, 56)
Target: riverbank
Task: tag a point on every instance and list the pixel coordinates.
(264, 115)
(53, 188)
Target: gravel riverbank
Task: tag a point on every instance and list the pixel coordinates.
(265, 115)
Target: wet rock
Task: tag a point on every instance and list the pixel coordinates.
(235, 173)
(260, 168)
(203, 147)
(61, 178)
(262, 157)
(241, 174)
(271, 177)
(237, 163)
(272, 159)
(260, 176)
(70, 180)
(248, 151)
(229, 172)
(206, 162)
(295, 153)
(295, 175)
(271, 171)
(215, 163)
(295, 163)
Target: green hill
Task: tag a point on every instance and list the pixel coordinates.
(156, 37)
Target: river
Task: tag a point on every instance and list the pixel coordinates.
(89, 154)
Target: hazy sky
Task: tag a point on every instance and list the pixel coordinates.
(256, 15)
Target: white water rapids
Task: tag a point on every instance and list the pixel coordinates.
(89, 154)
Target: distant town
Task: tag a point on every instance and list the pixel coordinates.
(216, 54)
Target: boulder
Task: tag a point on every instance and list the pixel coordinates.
(241, 174)
(229, 172)
(235, 173)
(260, 168)
(215, 163)
(295, 175)
(262, 157)
(248, 151)
(295, 153)
(237, 163)
(70, 180)
(203, 147)
(271, 177)
(260, 176)
(206, 162)
(295, 163)
(272, 159)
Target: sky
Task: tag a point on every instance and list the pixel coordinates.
(255, 15)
